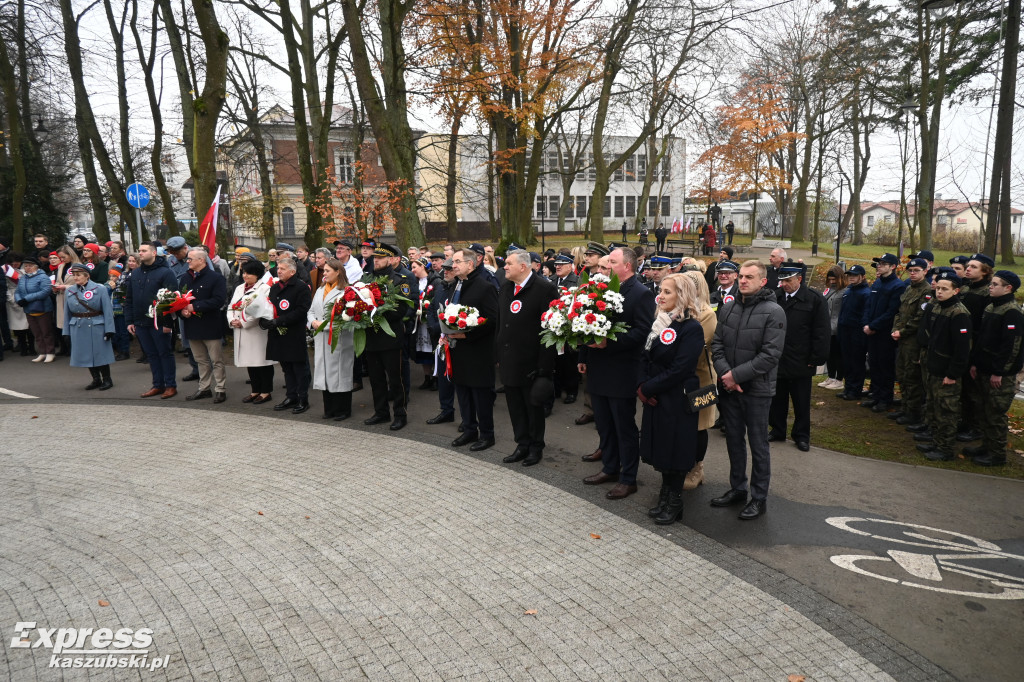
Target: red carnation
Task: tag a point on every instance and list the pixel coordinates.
(590, 317)
(451, 319)
(601, 305)
(481, 320)
(602, 286)
(462, 324)
(592, 295)
(357, 317)
(577, 305)
(572, 316)
(463, 314)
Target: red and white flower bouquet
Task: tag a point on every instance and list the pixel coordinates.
(361, 307)
(459, 319)
(584, 315)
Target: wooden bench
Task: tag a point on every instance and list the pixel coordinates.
(685, 243)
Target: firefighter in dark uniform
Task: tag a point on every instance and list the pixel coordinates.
(998, 357)
(726, 272)
(383, 354)
(948, 338)
(914, 300)
(974, 294)
(594, 252)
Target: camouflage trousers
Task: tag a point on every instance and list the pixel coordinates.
(908, 373)
(995, 406)
(943, 408)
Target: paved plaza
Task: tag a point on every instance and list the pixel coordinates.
(262, 548)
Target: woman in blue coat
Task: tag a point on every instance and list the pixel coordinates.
(35, 295)
(89, 321)
(668, 369)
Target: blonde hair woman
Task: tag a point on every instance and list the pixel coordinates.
(668, 432)
(706, 374)
(62, 280)
(577, 259)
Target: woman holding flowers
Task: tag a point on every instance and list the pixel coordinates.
(247, 303)
(332, 367)
(668, 370)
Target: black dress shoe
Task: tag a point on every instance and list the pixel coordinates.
(939, 456)
(328, 415)
(534, 458)
(220, 397)
(730, 498)
(775, 437)
(917, 428)
(285, 404)
(106, 385)
(482, 444)
(94, 384)
(519, 455)
(442, 418)
(570, 398)
(850, 396)
(969, 435)
(803, 446)
(754, 509)
(377, 419)
(194, 376)
(301, 407)
(399, 423)
(895, 415)
(870, 402)
(881, 406)
(199, 395)
(343, 416)
(466, 438)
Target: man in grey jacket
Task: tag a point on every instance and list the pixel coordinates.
(746, 350)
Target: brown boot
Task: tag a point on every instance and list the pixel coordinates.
(695, 477)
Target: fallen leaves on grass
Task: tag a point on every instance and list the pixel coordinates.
(595, 536)
(35, 417)
(104, 602)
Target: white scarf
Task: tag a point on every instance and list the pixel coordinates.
(662, 322)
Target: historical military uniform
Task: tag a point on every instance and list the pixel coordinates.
(948, 338)
(89, 321)
(383, 354)
(914, 300)
(999, 352)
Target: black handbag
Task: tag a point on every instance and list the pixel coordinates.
(702, 397)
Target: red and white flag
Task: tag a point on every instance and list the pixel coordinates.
(677, 226)
(208, 228)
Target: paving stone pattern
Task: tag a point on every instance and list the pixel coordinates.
(415, 562)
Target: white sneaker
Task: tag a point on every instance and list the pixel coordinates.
(835, 384)
(824, 384)
(49, 358)
(39, 359)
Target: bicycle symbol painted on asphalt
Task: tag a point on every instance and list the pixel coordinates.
(961, 562)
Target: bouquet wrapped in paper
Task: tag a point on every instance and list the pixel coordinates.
(168, 302)
(459, 319)
(584, 315)
(361, 307)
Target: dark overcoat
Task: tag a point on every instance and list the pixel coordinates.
(398, 319)
(808, 333)
(517, 345)
(668, 431)
(473, 357)
(291, 301)
(211, 292)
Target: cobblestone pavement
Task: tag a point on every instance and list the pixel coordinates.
(270, 549)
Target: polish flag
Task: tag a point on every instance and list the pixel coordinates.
(208, 228)
(677, 226)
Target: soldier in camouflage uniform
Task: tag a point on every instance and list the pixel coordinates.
(915, 299)
(948, 336)
(998, 357)
(974, 294)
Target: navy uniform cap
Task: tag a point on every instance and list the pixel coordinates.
(927, 255)
(534, 257)
(727, 266)
(888, 258)
(918, 263)
(788, 270)
(947, 274)
(477, 248)
(961, 260)
(983, 259)
(852, 270)
(560, 259)
(659, 262)
(512, 246)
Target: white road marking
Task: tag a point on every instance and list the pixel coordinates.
(917, 565)
(15, 394)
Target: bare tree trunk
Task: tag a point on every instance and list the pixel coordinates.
(451, 210)
(1000, 206)
(14, 138)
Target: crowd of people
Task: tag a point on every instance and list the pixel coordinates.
(753, 332)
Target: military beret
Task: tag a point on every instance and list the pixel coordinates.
(727, 266)
(918, 263)
(599, 249)
(947, 274)
(927, 255)
(176, 242)
(852, 270)
(477, 248)
(385, 250)
(959, 260)
(562, 259)
(983, 259)
(888, 258)
(791, 269)
(1009, 277)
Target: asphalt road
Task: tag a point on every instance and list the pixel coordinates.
(929, 561)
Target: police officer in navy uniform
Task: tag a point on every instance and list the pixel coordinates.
(882, 305)
(291, 299)
(656, 269)
(850, 332)
(89, 322)
(525, 365)
(383, 354)
(726, 272)
(564, 275)
(808, 336)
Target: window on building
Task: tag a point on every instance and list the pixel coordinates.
(553, 204)
(871, 220)
(619, 175)
(344, 170)
(666, 174)
(552, 158)
(581, 207)
(592, 174)
(666, 207)
(631, 206)
(581, 172)
(287, 222)
(631, 168)
(541, 203)
(652, 206)
(607, 206)
(570, 207)
(641, 166)
(618, 207)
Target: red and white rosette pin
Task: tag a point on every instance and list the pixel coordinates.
(283, 305)
(91, 266)
(516, 306)
(668, 336)
(729, 298)
(87, 295)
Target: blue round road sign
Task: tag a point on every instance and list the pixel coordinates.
(138, 196)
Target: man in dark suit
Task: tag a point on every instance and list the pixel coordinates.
(203, 324)
(808, 336)
(383, 353)
(286, 342)
(611, 368)
(472, 354)
(526, 365)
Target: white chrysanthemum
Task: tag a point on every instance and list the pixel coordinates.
(598, 277)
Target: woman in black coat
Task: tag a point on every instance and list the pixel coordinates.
(668, 369)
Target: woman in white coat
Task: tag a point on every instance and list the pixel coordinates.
(332, 370)
(246, 307)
